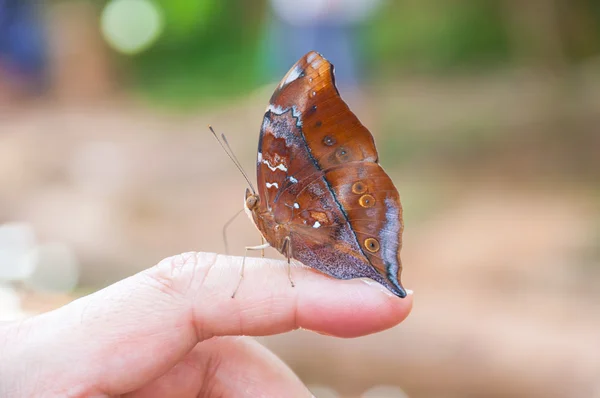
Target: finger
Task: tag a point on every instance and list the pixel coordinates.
(227, 367)
(267, 304)
(137, 329)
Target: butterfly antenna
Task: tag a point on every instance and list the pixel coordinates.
(225, 145)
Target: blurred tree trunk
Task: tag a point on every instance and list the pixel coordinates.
(81, 68)
(579, 21)
(555, 36)
(553, 32)
(533, 27)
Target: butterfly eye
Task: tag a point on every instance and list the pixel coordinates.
(359, 187)
(372, 245)
(367, 201)
(251, 202)
(329, 140)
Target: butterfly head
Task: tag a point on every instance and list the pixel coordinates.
(252, 200)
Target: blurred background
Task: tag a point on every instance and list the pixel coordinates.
(486, 114)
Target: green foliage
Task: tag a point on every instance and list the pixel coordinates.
(437, 35)
(207, 53)
(185, 18)
(213, 49)
(210, 48)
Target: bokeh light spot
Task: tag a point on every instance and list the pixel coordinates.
(131, 26)
(16, 240)
(56, 268)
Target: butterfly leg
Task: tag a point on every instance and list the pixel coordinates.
(262, 242)
(261, 247)
(287, 246)
(224, 231)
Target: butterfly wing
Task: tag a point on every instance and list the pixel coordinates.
(318, 174)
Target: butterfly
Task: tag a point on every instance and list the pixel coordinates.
(323, 199)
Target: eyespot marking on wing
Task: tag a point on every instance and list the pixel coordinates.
(366, 201)
(342, 154)
(372, 245)
(329, 140)
(359, 188)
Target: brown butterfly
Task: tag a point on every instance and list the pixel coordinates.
(323, 199)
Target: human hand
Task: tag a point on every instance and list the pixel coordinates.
(174, 330)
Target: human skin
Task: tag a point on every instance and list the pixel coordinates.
(173, 330)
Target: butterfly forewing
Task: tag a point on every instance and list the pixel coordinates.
(320, 185)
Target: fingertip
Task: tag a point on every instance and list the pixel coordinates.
(351, 308)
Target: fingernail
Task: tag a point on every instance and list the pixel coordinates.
(324, 333)
(378, 285)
